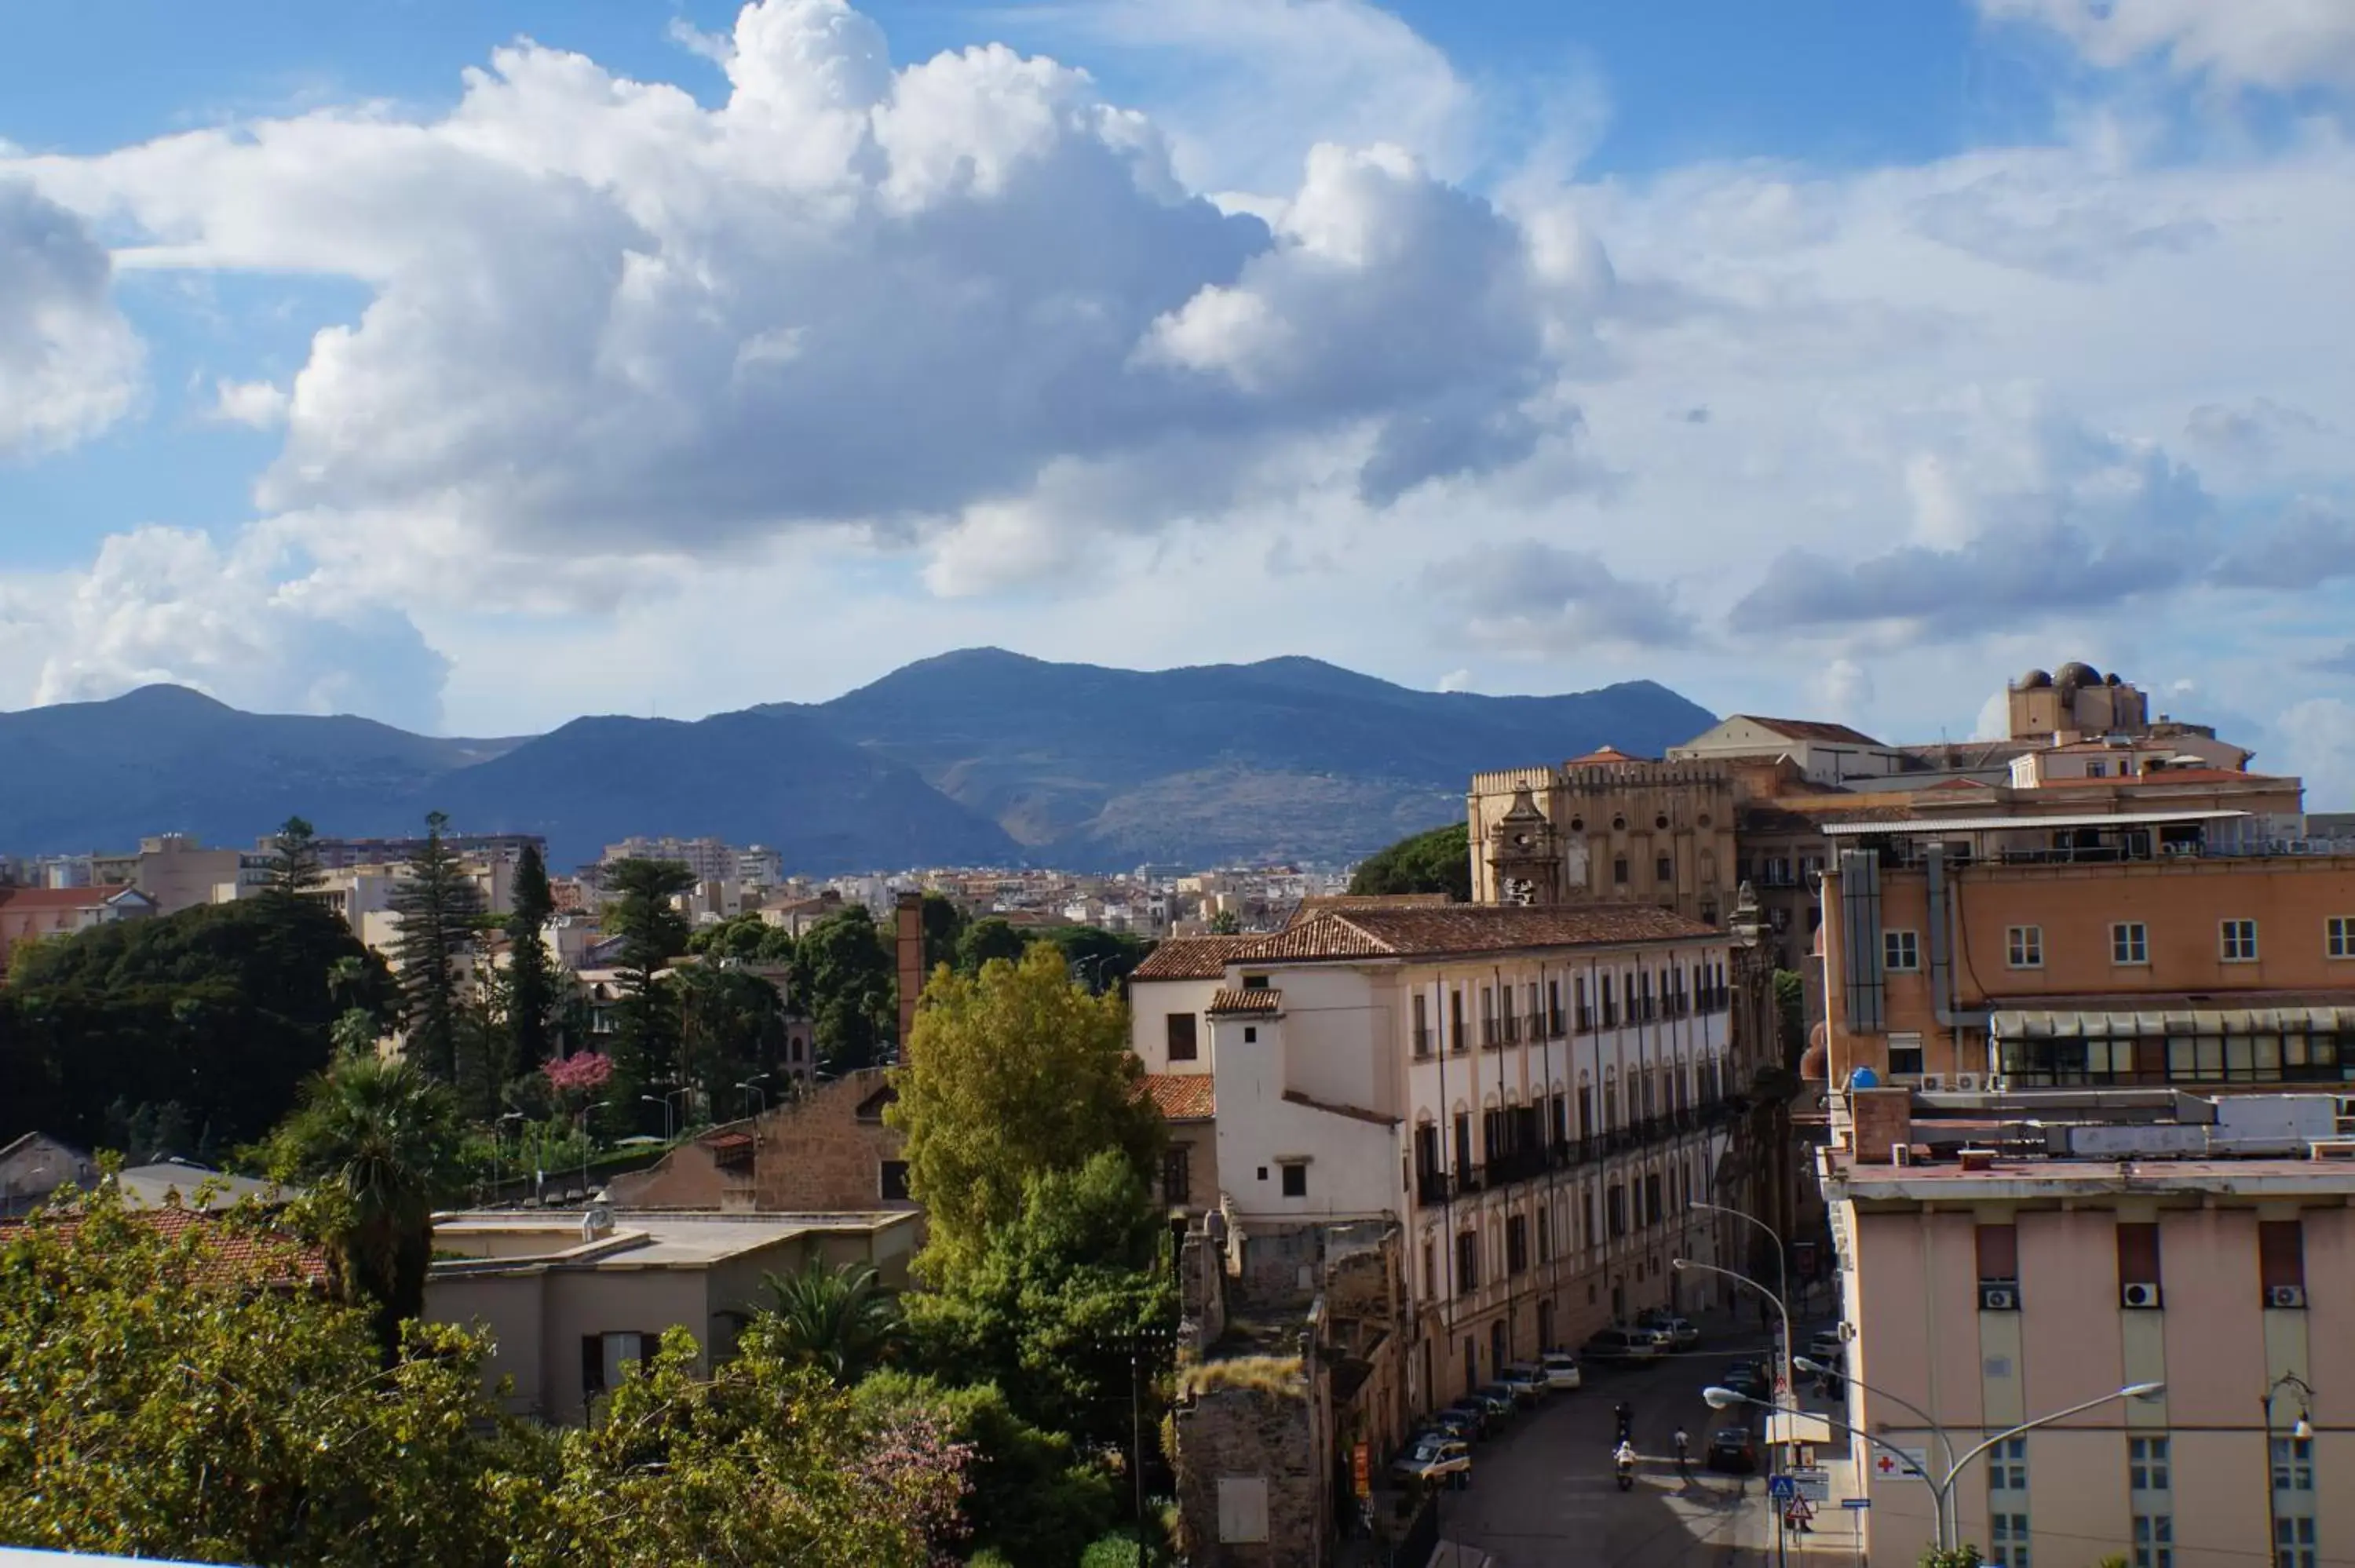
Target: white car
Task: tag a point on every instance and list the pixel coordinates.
(1561, 1371)
(1435, 1460)
(1526, 1381)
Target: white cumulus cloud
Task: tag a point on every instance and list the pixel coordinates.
(69, 364)
(2275, 44)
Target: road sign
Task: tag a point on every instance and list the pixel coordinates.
(1885, 1465)
(1860, 1504)
(1782, 1488)
(1816, 1485)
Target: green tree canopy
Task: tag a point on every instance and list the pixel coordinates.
(991, 937)
(1439, 861)
(638, 909)
(222, 1010)
(731, 1026)
(837, 1317)
(437, 908)
(380, 1141)
(1013, 1073)
(845, 977)
(533, 996)
(294, 859)
(944, 925)
(1059, 1295)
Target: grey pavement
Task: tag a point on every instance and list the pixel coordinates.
(1543, 1491)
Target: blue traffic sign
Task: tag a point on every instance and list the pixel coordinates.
(1782, 1488)
(1856, 1502)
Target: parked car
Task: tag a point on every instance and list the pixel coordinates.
(1561, 1368)
(1680, 1330)
(1469, 1418)
(1827, 1346)
(1526, 1381)
(1434, 1460)
(1734, 1450)
(1624, 1347)
(1749, 1379)
(1500, 1399)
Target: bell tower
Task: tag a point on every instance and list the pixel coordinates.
(1525, 853)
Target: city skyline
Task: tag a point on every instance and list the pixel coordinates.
(1827, 365)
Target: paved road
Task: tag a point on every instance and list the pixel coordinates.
(1543, 1492)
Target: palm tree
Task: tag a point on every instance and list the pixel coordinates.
(840, 1319)
(380, 1140)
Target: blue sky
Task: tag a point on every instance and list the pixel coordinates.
(1818, 357)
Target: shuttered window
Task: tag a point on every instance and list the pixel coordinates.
(2281, 1254)
(1999, 1247)
(2137, 1254)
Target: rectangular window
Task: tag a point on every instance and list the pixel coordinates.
(2293, 1464)
(1467, 1262)
(2007, 1466)
(2293, 1542)
(1177, 1177)
(1905, 1055)
(1619, 870)
(2281, 1258)
(1998, 1251)
(2008, 1540)
(2147, 1466)
(2154, 1540)
(1664, 868)
(1545, 1235)
(1422, 1024)
(894, 1181)
(2129, 943)
(1295, 1179)
(2137, 1261)
(1516, 1244)
(2237, 941)
(1901, 952)
(1182, 1037)
(1455, 1020)
(2023, 946)
(1430, 1280)
(2340, 936)
(1553, 1007)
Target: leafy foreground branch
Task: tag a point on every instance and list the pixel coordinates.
(177, 1386)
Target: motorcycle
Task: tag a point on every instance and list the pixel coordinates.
(1627, 1475)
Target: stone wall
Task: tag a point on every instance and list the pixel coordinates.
(1251, 1443)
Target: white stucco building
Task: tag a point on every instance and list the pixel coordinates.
(1535, 1095)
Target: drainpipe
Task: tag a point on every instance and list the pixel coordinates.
(1945, 915)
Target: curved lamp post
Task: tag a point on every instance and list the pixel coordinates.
(2301, 1428)
(1782, 1261)
(1942, 1488)
(1790, 1391)
(1938, 1430)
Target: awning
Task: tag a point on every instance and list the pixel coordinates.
(1930, 827)
(2040, 1024)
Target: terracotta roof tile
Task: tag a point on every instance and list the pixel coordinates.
(1189, 958)
(1247, 998)
(88, 897)
(1183, 1097)
(1810, 729)
(1462, 928)
(232, 1253)
(1317, 904)
(1603, 755)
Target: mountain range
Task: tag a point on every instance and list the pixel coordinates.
(976, 757)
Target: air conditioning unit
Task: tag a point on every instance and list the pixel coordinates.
(2291, 1296)
(1968, 1082)
(1999, 1299)
(2138, 1293)
(1934, 1081)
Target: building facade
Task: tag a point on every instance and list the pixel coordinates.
(1610, 832)
(2089, 1244)
(2055, 951)
(1534, 1096)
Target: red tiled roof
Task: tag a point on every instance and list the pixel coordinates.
(1604, 754)
(61, 898)
(1247, 998)
(728, 1143)
(1317, 904)
(1183, 1097)
(1189, 958)
(235, 1252)
(1460, 928)
(1810, 729)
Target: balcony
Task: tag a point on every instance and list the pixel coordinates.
(1430, 1187)
(1516, 1165)
(1560, 1020)
(1586, 1021)
(1469, 1179)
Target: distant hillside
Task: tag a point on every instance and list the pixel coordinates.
(972, 757)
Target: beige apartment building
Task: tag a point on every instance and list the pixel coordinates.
(2006, 1258)
(1533, 1096)
(569, 1298)
(2115, 949)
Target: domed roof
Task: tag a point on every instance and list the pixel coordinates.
(2035, 680)
(1816, 1064)
(2112, 679)
(2076, 674)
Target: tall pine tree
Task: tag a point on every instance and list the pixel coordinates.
(436, 910)
(531, 978)
(638, 909)
(294, 859)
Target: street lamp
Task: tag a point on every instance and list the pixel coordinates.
(1938, 1430)
(1942, 1488)
(2301, 1429)
(663, 1101)
(1782, 1261)
(1781, 1307)
(751, 1085)
(601, 1105)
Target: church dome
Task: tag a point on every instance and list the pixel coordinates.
(2075, 674)
(2034, 681)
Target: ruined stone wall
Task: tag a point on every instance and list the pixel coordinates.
(814, 1156)
(1254, 1445)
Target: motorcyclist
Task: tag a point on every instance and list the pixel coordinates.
(1623, 1459)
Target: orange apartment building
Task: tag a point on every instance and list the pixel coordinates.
(2116, 948)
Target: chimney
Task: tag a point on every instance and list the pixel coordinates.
(1882, 1122)
(911, 963)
